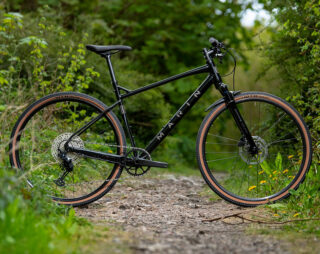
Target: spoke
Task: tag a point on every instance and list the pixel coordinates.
(221, 144)
(240, 186)
(235, 162)
(223, 137)
(73, 183)
(288, 133)
(301, 146)
(221, 152)
(224, 158)
(248, 179)
(257, 176)
(280, 140)
(259, 131)
(267, 130)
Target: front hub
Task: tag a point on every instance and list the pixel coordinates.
(248, 157)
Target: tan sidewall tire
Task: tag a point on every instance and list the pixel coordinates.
(32, 109)
(210, 118)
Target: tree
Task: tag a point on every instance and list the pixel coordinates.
(295, 50)
(167, 38)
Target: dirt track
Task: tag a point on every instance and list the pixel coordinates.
(165, 215)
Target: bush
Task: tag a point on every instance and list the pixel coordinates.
(295, 51)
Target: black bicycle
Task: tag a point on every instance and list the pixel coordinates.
(252, 148)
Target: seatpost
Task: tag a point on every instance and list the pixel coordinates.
(113, 77)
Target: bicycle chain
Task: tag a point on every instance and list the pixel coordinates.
(130, 148)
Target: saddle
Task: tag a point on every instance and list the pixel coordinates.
(105, 50)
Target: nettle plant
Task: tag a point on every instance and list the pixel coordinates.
(37, 59)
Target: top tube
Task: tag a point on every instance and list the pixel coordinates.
(198, 70)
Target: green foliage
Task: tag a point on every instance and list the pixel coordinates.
(22, 229)
(303, 203)
(166, 43)
(295, 51)
(171, 40)
(166, 36)
(32, 225)
(28, 63)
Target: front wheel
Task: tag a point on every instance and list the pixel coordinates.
(283, 159)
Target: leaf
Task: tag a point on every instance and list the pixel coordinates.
(33, 40)
(277, 206)
(278, 162)
(265, 166)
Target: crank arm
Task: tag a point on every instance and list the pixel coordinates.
(147, 163)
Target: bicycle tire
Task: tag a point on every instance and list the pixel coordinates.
(225, 181)
(71, 101)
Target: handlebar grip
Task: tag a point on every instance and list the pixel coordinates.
(214, 41)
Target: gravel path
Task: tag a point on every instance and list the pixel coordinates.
(165, 215)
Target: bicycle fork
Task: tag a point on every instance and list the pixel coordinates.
(232, 107)
(230, 102)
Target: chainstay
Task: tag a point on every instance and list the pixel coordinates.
(104, 181)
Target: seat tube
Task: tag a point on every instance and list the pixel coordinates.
(113, 77)
(118, 96)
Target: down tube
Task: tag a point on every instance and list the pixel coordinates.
(180, 113)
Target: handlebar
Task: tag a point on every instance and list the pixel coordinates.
(215, 52)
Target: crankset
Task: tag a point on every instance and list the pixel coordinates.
(133, 157)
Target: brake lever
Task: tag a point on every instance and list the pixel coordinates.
(219, 55)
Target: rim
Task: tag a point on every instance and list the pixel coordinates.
(43, 125)
(239, 180)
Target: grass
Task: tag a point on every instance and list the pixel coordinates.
(295, 242)
(24, 230)
(101, 239)
(40, 226)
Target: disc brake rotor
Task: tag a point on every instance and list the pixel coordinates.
(256, 159)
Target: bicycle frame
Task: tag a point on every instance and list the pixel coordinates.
(212, 78)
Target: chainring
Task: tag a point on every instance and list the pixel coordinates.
(137, 153)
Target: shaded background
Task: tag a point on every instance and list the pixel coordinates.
(42, 50)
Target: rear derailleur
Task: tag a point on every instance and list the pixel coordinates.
(66, 165)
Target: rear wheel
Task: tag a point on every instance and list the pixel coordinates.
(39, 136)
(284, 150)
